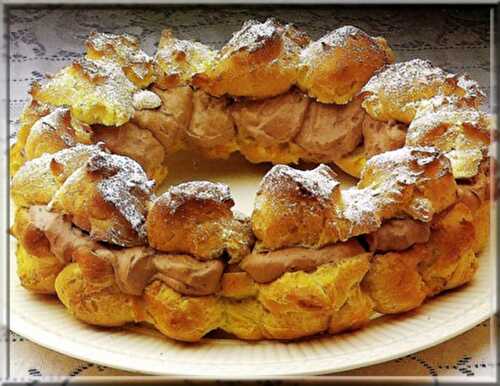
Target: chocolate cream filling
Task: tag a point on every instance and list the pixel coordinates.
(272, 120)
(398, 235)
(64, 238)
(331, 131)
(382, 136)
(134, 268)
(266, 266)
(211, 124)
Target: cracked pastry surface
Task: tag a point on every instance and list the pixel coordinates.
(196, 218)
(283, 293)
(335, 67)
(38, 180)
(396, 90)
(314, 256)
(461, 132)
(107, 197)
(309, 208)
(259, 61)
(126, 52)
(180, 60)
(97, 91)
(54, 132)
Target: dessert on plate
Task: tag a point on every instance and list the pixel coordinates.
(314, 256)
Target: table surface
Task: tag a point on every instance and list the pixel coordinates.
(44, 40)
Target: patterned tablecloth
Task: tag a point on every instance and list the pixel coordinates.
(44, 40)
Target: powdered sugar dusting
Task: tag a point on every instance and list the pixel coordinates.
(445, 112)
(361, 210)
(116, 87)
(125, 185)
(252, 36)
(390, 186)
(461, 132)
(36, 172)
(183, 57)
(471, 87)
(380, 192)
(125, 47)
(398, 77)
(401, 78)
(337, 38)
(403, 165)
(196, 191)
(65, 156)
(319, 182)
(72, 158)
(56, 121)
(145, 99)
(97, 91)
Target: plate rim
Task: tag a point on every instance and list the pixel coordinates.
(77, 350)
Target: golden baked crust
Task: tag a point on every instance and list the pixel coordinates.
(416, 104)
(60, 130)
(28, 236)
(238, 286)
(108, 197)
(307, 208)
(97, 92)
(336, 67)
(293, 206)
(37, 267)
(300, 304)
(37, 273)
(181, 317)
(98, 301)
(126, 52)
(265, 59)
(54, 132)
(285, 128)
(332, 298)
(178, 61)
(37, 180)
(260, 60)
(314, 257)
(462, 133)
(353, 162)
(400, 281)
(355, 313)
(32, 112)
(196, 218)
(394, 91)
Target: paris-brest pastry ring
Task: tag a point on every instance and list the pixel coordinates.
(313, 257)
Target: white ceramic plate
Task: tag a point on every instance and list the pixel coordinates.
(45, 321)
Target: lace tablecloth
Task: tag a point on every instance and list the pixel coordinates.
(44, 40)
